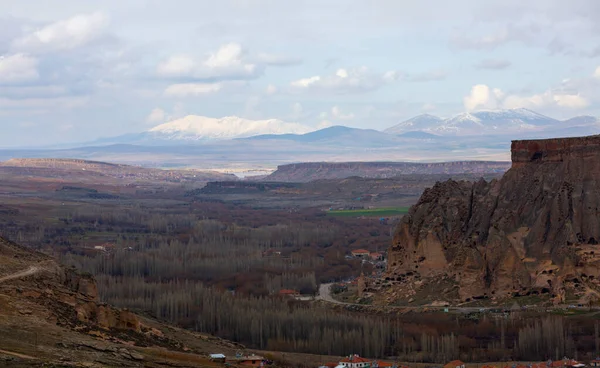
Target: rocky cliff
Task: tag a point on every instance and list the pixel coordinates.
(533, 233)
(309, 171)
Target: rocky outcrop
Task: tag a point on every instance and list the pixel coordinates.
(533, 232)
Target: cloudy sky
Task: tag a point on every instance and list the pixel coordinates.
(73, 71)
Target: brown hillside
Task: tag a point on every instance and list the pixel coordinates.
(50, 316)
(532, 233)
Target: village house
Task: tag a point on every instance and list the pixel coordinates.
(455, 364)
(595, 363)
(566, 363)
(361, 253)
(219, 358)
(247, 361)
(355, 361)
(289, 292)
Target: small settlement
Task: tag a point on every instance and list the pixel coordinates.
(356, 361)
(241, 360)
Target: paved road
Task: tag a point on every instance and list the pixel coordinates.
(17, 275)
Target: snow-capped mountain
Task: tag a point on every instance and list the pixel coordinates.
(199, 128)
(484, 122)
(419, 122)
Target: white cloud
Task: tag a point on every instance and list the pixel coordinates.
(65, 34)
(345, 81)
(227, 62)
(278, 60)
(157, 115)
(18, 68)
(306, 82)
(192, 89)
(548, 98)
(336, 113)
(597, 73)
(484, 97)
(176, 66)
(271, 89)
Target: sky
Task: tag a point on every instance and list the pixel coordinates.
(74, 71)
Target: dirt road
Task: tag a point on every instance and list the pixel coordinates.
(325, 295)
(17, 275)
(18, 355)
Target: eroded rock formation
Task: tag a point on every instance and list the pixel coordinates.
(533, 232)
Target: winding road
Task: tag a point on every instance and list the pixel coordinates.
(17, 275)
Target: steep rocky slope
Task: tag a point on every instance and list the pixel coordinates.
(532, 233)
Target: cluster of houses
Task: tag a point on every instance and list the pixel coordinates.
(356, 361)
(366, 255)
(240, 360)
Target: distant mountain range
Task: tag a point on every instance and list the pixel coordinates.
(498, 122)
(518, 123)
(232, 142)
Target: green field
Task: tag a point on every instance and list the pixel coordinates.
(375, 212)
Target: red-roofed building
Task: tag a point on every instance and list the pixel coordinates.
(363, 253)
(289, 292)
(564, 363)
(355, 361)
(595, 363)
(455, 364)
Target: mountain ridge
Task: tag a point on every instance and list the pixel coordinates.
(481, 122)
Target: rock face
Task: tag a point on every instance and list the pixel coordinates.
(533, 232)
